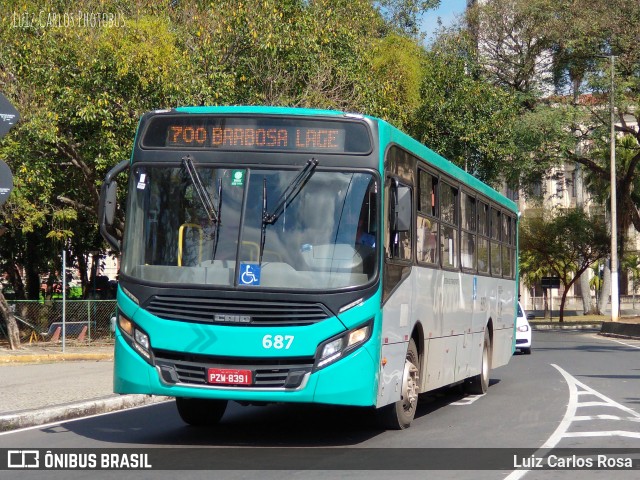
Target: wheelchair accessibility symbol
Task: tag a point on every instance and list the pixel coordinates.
(249, 274)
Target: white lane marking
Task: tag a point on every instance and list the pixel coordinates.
(570, 416)
(612, 433)
(468, 400)
(605, 417)
(618, 341)
(597, 404)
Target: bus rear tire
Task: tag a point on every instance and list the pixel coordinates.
(399, 415)
(200, 412)
(479, 384)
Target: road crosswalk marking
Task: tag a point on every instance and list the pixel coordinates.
(580, 396)
(577, 391)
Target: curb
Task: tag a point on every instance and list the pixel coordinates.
(621, 330)
(54, 357)
(594, 326)
(32, 418)
(606, 329)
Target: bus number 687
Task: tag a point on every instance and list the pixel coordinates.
(277, 341)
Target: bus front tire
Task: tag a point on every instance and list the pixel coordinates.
(200, 412)
(479, 384)
(399, 415)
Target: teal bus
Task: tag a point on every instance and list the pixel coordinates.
(311, 256)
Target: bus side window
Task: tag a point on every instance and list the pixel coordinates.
(496, 230)
(427, 218)
(483, 234)
(449, 226)
(468, 217)
(399, 211)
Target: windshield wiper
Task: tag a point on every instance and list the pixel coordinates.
(213, 213)
(289, 194)
(217, 227)
(209, 208)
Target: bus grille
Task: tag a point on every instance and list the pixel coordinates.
(236, 312)
(176, 367)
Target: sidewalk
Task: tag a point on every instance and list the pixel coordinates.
(40, 384)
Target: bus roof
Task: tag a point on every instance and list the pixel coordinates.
(263, 111)
(412, 145)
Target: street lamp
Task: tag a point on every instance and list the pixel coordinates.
(615, 301)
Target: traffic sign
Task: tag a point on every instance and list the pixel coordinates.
(550, 282)
(6, 182)
(9, 116)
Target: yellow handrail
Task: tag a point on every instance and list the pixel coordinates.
(180, 240)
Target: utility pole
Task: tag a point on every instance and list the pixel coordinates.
(615, 300)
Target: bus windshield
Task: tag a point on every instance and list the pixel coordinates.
(324, 237)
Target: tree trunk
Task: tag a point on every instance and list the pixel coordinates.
(10, 322)
(82, 269)
(14, 277)
(605, 291)
(545, 296)
(587, 302)
(91, 288)
(31, 268)
(562, 301)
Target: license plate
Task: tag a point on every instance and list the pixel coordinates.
(226, 376)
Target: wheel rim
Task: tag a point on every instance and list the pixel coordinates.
(409, 387)
(485, 364)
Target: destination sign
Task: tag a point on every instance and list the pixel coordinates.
(261, 134)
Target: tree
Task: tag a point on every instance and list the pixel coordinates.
(461, 116)
(79, 111)
(513, 42)
(404, 15)
(566, 243)
(531, 273)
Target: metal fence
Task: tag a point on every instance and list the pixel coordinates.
(628, 303)
(85, 321)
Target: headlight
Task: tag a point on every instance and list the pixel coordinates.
(126, 325)
(142, 339)
(523, 328)
(338, 347)
(135, 337)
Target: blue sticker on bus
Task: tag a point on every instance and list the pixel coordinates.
(475, 288)
(249, 274)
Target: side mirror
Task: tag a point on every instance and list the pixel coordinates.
(107, 207)
(401, 208)
(110, 202)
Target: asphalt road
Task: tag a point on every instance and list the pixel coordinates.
(576, 390)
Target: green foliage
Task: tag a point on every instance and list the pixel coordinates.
(461, 116)
(397, 71)
(81, 88)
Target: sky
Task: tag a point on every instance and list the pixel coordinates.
(448, 11)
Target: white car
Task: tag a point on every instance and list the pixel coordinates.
(523, 332)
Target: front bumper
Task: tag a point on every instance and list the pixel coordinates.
(350, 381)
